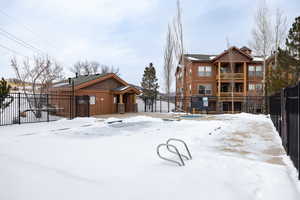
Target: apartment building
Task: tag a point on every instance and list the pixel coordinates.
(228, 80)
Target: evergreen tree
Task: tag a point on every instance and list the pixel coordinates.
(4, 94)
(293, 48)
(287, 71)
(149, 84)
(281, 76)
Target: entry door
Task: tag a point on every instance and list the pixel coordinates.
(82, 106)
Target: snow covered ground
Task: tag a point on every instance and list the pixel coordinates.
(235, 157)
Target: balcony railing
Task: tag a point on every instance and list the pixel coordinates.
(231, 76)
(228, 94)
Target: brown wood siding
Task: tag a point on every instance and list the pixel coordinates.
(104, 101)
(107, 84)
(234, 57)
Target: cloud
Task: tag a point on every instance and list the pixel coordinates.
(128, 34)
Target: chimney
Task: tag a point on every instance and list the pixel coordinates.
(70, 80)
(76, 74)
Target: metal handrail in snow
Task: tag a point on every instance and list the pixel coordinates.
(181, 163)
(189, 157)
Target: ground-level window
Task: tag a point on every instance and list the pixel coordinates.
(258, 86)
(204, 70)
(227, 106)
(205, 89)
(115, 99)
(251, 86)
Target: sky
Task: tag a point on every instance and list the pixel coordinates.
(126, 34)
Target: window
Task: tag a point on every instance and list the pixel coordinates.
(258, 71)
(205, 89)
(251, 70)
(190, 71)
(204, 70)
(190, 88)
(251, 86)
(258, 86)
(255, 71)
(92, 100)
(179, 76)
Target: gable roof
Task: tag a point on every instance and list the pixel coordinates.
(100, 79)
(245, 48)
(77, 80)
(85, 81)
(232, 48)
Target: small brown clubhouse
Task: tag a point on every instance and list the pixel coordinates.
(94, 95)
(211, 76)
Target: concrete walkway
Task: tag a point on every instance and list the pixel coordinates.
(238, 143)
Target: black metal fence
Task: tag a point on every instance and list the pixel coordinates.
(160, 104)
(205, 104)
(284, 112)
(19, 108)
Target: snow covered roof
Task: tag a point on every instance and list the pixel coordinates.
(60, 84)
(258, 58)
(199, 57)
(122, 88)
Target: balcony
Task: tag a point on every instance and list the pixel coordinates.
(228, 94)
(231, 76)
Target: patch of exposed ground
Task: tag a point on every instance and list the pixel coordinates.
(239, 143)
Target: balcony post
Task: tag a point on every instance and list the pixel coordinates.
(219, 78)
(245, 79)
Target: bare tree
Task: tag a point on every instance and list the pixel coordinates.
(40, 74)
(280, 31)
(81, 68)
(262, 37)
(178, 43)
(178, 34)
(77, 68)
(168, 63)
(93, 67)
(105, 69)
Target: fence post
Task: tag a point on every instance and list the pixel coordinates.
(155, 103)
(71, 110)
(19, 109)
(299, 130)
(160, 103)
(47, 103)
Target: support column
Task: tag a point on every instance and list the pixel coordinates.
(219, 79)
(121, 106)
(134, 104)
(245, 79)
(121, 98)
(134, 98)
(219, 88)
(245, 88)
